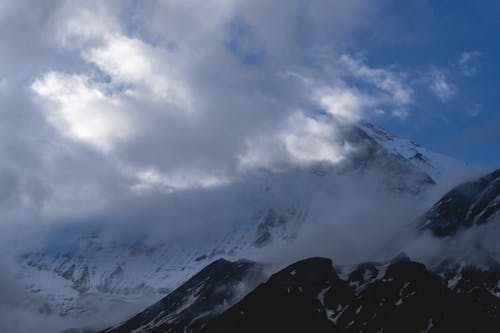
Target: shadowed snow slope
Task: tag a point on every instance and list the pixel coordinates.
(470, 204)
(202, 297)
(84, 268)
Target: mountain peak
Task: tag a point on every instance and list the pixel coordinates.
(437, 166)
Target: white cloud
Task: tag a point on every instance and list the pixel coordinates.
(381, 89)
(468, 62)
(99, 114)
(302, 139)
(388, 81)
(347, 104)
(146, 71)
(299, 140)
(441, 87)
(343, 98)
(3, 85)
(155, 86)
(150, 71)
(126, 59)
(188, 24)
(80, 110)
(311, 140)
(80, 23)
(151, 179)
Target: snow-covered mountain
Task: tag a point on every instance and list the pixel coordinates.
(314, 296)
(81, 271)
(94, 271)
(207, 294)
(436, 165)
(473, 203)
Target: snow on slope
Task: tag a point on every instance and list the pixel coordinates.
(95, 271)
(437, 166)
(81, 276)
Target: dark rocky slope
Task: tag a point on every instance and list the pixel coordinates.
(400, 297)
(472, 203)
(202, 297)
(309, 296)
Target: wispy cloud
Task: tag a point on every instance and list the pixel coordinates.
(387, 80)
(441, 87)
(474, 109)
(468, 63)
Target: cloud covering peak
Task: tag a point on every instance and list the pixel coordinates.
(125, 96)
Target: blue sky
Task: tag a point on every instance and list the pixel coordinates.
(436, 33)
(454, 41)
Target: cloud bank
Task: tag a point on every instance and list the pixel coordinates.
(120, 97)
(105, 104)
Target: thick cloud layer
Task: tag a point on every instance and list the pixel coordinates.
(108, 109)
(100, 99)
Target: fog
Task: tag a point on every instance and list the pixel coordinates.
(176, 121)
(351, 218)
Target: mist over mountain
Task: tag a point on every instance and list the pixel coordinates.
(124, 263)
(470, 204)
(166, 165)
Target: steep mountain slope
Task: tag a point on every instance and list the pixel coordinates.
(81, 271)
(472, 203)
(478, 275)
(437, 166)
(402, 296)
(396, 172)
(310, 296)
(202, 297)
(96, 271)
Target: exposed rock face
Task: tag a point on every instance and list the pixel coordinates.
(205, 295)
(470, 275)
(269, 209)
(399, 297)
(309, 296)
(399, 174)
(469, 204)
(275, 224)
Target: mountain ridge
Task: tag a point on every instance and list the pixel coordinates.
(469, 204)
(95, 270)
(309, 295)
